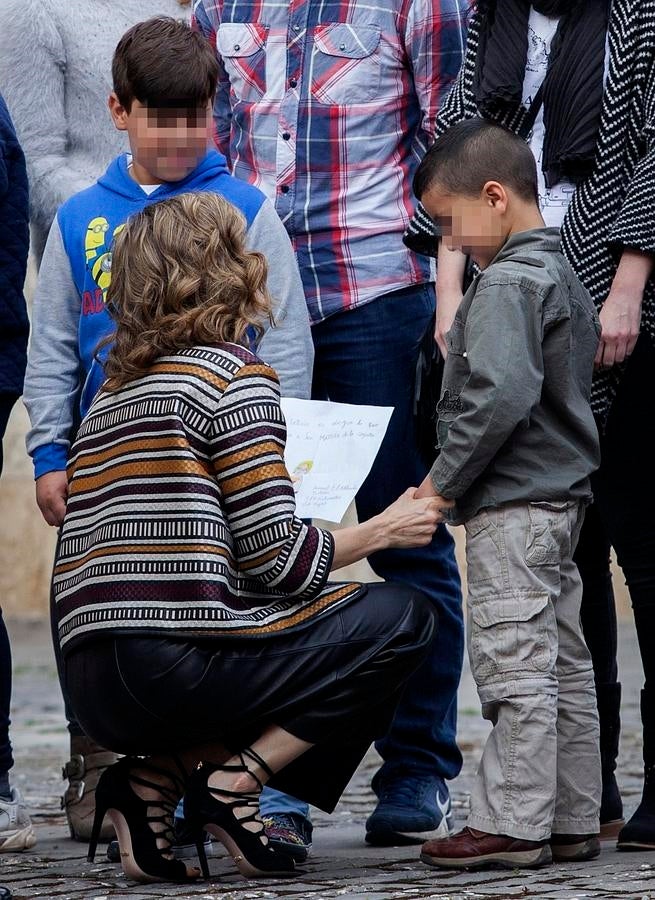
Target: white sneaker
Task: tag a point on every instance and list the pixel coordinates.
(16, 830)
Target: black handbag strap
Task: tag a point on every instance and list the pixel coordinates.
(530, 117)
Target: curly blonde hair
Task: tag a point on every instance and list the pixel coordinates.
(181, 277)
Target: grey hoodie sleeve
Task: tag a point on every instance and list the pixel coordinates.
(33, 68)
(52, 378)
(287, 347)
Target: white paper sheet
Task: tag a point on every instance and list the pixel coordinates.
(330, 450)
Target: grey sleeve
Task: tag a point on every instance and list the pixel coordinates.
(53, 364)
(33, 78)
(504, 351)
(287, 346)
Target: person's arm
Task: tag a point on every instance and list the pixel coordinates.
(633, 237)
(33, 76)
(286, 346)
(451, 265)
(504, 352)
(434, 43)
(460, 102)
(271, 544)
(222, 109)
(52, 378)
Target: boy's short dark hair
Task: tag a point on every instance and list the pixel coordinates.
(162, 62)
(474, 152)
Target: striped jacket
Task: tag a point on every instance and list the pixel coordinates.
(180, 518)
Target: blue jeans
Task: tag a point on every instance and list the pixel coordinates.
(368, 356)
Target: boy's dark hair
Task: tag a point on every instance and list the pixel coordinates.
(162, 62)
(474, 152)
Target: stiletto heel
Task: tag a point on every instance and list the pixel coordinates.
(212, 809)
(202, 856)
(142, 859)
(98, 818)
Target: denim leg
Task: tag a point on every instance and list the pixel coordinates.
(368, 356)
(6, 759)
(274, 802)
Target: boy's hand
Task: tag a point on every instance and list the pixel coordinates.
(51, 496)
(426, 489)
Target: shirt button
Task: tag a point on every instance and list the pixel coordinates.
(293, 83)
(285, 189)
(341, 47)
(286, 136)
(237, 47)
(296, 27)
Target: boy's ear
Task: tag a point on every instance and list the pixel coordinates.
(495, 195)
(118, 112)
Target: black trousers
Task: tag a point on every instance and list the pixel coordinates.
(622, 516)
(335, 684)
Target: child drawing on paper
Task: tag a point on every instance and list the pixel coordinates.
(303, 468)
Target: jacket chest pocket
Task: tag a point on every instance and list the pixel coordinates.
(242, 48)
(345, 64)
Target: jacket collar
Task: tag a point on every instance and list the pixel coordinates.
(544, 240)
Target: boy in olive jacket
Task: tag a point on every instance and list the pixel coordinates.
(518, 443)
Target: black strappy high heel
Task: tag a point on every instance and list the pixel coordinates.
(213, 809)
(141, 858)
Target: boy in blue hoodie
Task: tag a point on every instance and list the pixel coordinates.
(164, 77)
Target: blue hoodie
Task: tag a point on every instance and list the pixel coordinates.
(79, 251)
(89, 221)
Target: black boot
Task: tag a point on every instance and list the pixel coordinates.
(611, 808)
(639, 833)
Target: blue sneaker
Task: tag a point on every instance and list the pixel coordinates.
(411, 809)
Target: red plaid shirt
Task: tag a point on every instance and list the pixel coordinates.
(328, 106)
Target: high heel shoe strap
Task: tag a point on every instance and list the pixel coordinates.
(256, 758)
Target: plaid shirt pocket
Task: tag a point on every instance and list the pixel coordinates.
(242, 47)
(345, 64)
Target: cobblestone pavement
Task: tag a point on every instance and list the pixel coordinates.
(341, 865)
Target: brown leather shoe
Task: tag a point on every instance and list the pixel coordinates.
(574, 847)
(87, 763)
(471, 849)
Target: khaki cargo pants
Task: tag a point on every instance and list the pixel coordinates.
(540, 770)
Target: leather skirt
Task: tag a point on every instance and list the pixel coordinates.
(335, 684)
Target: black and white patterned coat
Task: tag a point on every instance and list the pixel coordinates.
(615, 206)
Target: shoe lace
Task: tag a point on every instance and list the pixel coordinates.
(167, 802)
(248, 801)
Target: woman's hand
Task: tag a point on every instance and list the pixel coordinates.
(412, 520)
(620, 317)
(408, 522)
